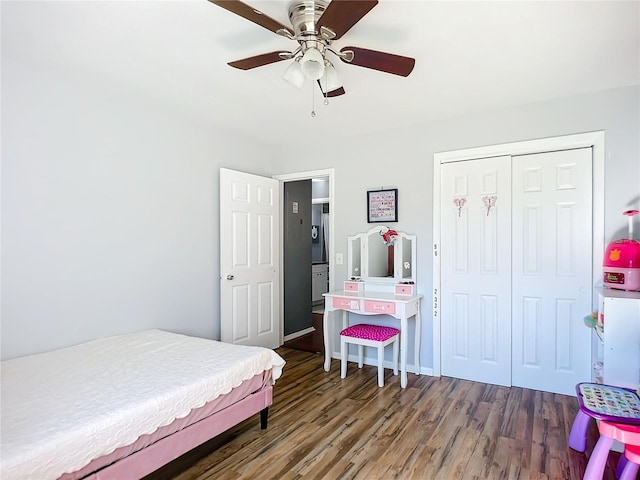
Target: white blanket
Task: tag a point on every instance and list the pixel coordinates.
(61, 409)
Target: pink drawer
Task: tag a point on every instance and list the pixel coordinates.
(403, 289)
(373, 306)
(345, 302)
(353, 286)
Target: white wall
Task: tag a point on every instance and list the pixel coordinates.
(403, 159)
(109, 212)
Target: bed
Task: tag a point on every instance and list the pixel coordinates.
(121, 407)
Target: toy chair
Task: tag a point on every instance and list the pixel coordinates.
(365, 335)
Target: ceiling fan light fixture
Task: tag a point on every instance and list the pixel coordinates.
(329, 81)
(312, 64)
(309, 20)
(293, 74)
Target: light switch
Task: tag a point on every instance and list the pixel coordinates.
(339, 259)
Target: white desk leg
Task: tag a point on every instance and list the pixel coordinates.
(326, 333)
(403, 351)
(418, 335)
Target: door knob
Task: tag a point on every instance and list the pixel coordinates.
(229, 277)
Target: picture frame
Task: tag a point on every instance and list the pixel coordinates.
(382, 206)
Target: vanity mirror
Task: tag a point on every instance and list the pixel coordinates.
(382, 255)
(382, 277)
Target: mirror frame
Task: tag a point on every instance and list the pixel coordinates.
(405, 250)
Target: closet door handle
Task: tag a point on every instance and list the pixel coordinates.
(229, 277)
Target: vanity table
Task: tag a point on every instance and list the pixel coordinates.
(383, 283)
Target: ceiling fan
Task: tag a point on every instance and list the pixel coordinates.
(316, 24)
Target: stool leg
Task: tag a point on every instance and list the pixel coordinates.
(630, 471)
(343, 358)
(381, 366)
(360, 356)
(396, 352)
(598, 459)
(579, 429)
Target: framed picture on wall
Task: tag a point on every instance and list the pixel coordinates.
(382, 206)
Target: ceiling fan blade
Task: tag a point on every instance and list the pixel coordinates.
(384, 62)
(259, 60)
(336, 93)
(252, 14)
(341, 15)
(333, 93)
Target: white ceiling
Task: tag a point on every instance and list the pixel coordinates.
(470, 57)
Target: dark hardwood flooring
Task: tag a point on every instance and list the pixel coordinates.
(310, 342)
(324, 427)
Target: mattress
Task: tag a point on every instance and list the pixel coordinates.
(255, 384)
(62, 409)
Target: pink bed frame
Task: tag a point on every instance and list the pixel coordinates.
(132, 463)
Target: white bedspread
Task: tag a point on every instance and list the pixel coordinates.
(63, 408)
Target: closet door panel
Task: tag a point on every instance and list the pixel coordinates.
(476, 269)
(552, 231)
(531, 331)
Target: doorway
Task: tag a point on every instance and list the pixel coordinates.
(317, 233)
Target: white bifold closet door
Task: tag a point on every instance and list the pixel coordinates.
(516, 269)
(475, 249)
(552, 272)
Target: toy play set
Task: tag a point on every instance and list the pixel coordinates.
(621, 265)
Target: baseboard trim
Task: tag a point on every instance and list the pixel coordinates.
(291, 336)
(428, 371)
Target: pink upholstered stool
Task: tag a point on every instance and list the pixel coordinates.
(610, 431)
(365, 335)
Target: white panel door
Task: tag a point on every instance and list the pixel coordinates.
(476, 270)
(249, 259)
(552, 250)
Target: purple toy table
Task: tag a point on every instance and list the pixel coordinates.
(604, 402)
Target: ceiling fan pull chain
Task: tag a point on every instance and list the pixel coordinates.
(313, 102)
(325, 92)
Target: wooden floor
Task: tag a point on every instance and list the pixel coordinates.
(322, 427)
(311, 342)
